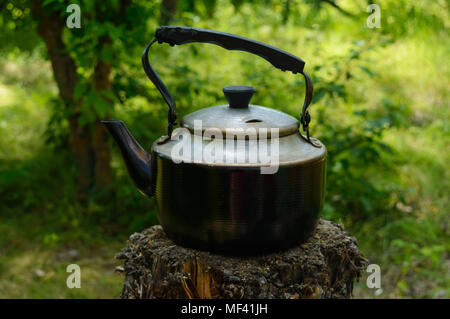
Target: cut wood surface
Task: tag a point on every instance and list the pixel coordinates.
(326, 266)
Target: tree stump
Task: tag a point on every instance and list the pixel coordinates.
(325, 266)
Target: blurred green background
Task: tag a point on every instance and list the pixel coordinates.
(381, 107)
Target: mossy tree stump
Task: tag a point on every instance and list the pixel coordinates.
(325, 266)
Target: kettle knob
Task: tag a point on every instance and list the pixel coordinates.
(238, 96)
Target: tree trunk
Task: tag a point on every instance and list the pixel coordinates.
(80, 138)
(286, 11)
(88, 146)
(168, 9)
(210, 8)
(100, 145)
(325, 266)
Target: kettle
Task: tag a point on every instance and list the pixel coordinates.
(235, 178)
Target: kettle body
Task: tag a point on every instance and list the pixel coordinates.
(235, 178)
(235, 208)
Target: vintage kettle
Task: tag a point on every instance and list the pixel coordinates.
(234, 178)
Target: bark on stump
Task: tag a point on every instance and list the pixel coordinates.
(325, 266)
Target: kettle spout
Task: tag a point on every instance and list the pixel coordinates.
(139, 163)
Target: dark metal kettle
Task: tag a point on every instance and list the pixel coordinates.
(243, 205)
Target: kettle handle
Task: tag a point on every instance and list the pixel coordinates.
(181, 35)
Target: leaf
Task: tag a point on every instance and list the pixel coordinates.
(106, 54)
(318, 95)
(79, 90)
(367, 71)
(108, 94)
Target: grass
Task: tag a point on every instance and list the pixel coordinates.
(33, 254)
(38, 272)
(420, 237)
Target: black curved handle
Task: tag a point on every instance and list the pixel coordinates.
(279, 58)
(181, 35)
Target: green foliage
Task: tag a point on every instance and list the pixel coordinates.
(18, 30)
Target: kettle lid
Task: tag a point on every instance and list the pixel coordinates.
(238, 115)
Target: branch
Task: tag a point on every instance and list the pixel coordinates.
(334, 5)
(50, 29)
